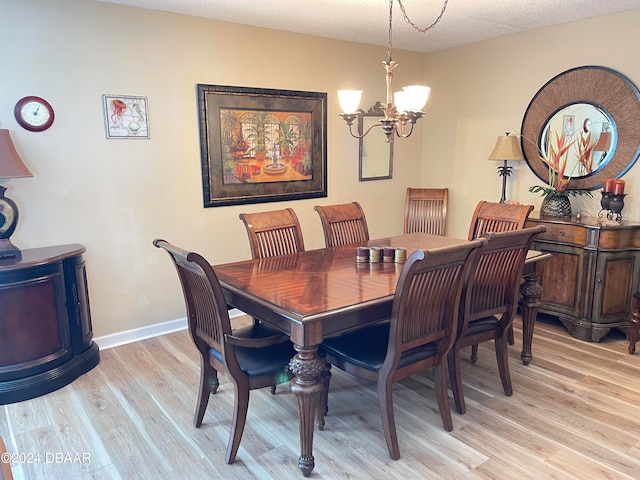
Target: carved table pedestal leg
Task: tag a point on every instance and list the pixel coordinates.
(307, 387)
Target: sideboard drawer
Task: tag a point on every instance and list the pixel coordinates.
(562, 233)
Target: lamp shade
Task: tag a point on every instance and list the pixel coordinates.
(11, 165)
(604, 142)
(349, 100)
(506, 148)
(417, 96)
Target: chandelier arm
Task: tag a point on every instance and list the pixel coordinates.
(428, 27)
(400, 131)
(378, 124)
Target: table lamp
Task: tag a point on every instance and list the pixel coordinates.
(10, 167)
(506, 148)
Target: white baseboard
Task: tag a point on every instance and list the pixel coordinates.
(137, 334)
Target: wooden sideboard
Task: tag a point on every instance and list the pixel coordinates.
(45, 322)
(592, 274)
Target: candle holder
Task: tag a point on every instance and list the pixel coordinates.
(604, 203)
(616, 204)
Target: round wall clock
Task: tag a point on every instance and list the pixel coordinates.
(34, 113)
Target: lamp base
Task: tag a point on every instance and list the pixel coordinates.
(8, 250)
(8, 222)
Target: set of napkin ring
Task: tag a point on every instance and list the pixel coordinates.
(378, 254)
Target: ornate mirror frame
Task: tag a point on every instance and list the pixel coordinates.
(601, 87)
(375, 157)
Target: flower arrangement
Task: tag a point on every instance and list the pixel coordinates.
(556, 160)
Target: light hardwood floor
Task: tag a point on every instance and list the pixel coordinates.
(574, 414)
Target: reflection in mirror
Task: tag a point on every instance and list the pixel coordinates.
(376, 154)
(587, 131)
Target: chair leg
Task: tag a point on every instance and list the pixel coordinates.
(503, 364)
(385, 397)
(240, 407)
(474, 354)
(323, 408)
(208, 385)
(442, 395)
(455, 378)
(510, 338)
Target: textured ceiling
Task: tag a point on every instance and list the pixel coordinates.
(366, 21)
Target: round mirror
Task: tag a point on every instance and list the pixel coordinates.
(594, 110)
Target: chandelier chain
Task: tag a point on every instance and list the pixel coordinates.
(408, 20)
(429, 27)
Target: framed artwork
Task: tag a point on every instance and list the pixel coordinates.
(125, 116)
(261, 145)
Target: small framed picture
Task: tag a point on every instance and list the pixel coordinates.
(126, 116)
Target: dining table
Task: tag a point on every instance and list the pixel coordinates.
(314, 294)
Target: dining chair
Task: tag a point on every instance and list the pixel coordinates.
(634, 322)
(425, 210)
(490, 299)
(251, 357)
(497, 217)
(418, 336)
(5, 465)
(343, 224)
(272, 233)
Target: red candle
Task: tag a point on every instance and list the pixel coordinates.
(618, 187)
(608, 185)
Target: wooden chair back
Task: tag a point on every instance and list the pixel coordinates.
(343, 224)
(426, 303)
(273, 233)
(498, 217)
(425, 210)
(207, 314)
(492, 288)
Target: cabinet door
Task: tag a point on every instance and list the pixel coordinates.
(617, 277)
(34, 330)
(78, 304)
(562, 278)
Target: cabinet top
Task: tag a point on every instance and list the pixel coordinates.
(587, 222)
(32, 257)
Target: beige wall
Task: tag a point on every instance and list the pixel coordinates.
(116, 196)
(482, 90)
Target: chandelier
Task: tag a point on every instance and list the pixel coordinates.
(404, 108)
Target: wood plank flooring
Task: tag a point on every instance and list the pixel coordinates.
(574, 414)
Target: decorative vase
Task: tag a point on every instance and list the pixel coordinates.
(556, 205)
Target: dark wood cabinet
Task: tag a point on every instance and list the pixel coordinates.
(592, 274)
(45, 322)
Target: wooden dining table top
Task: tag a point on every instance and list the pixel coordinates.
(316, 293)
